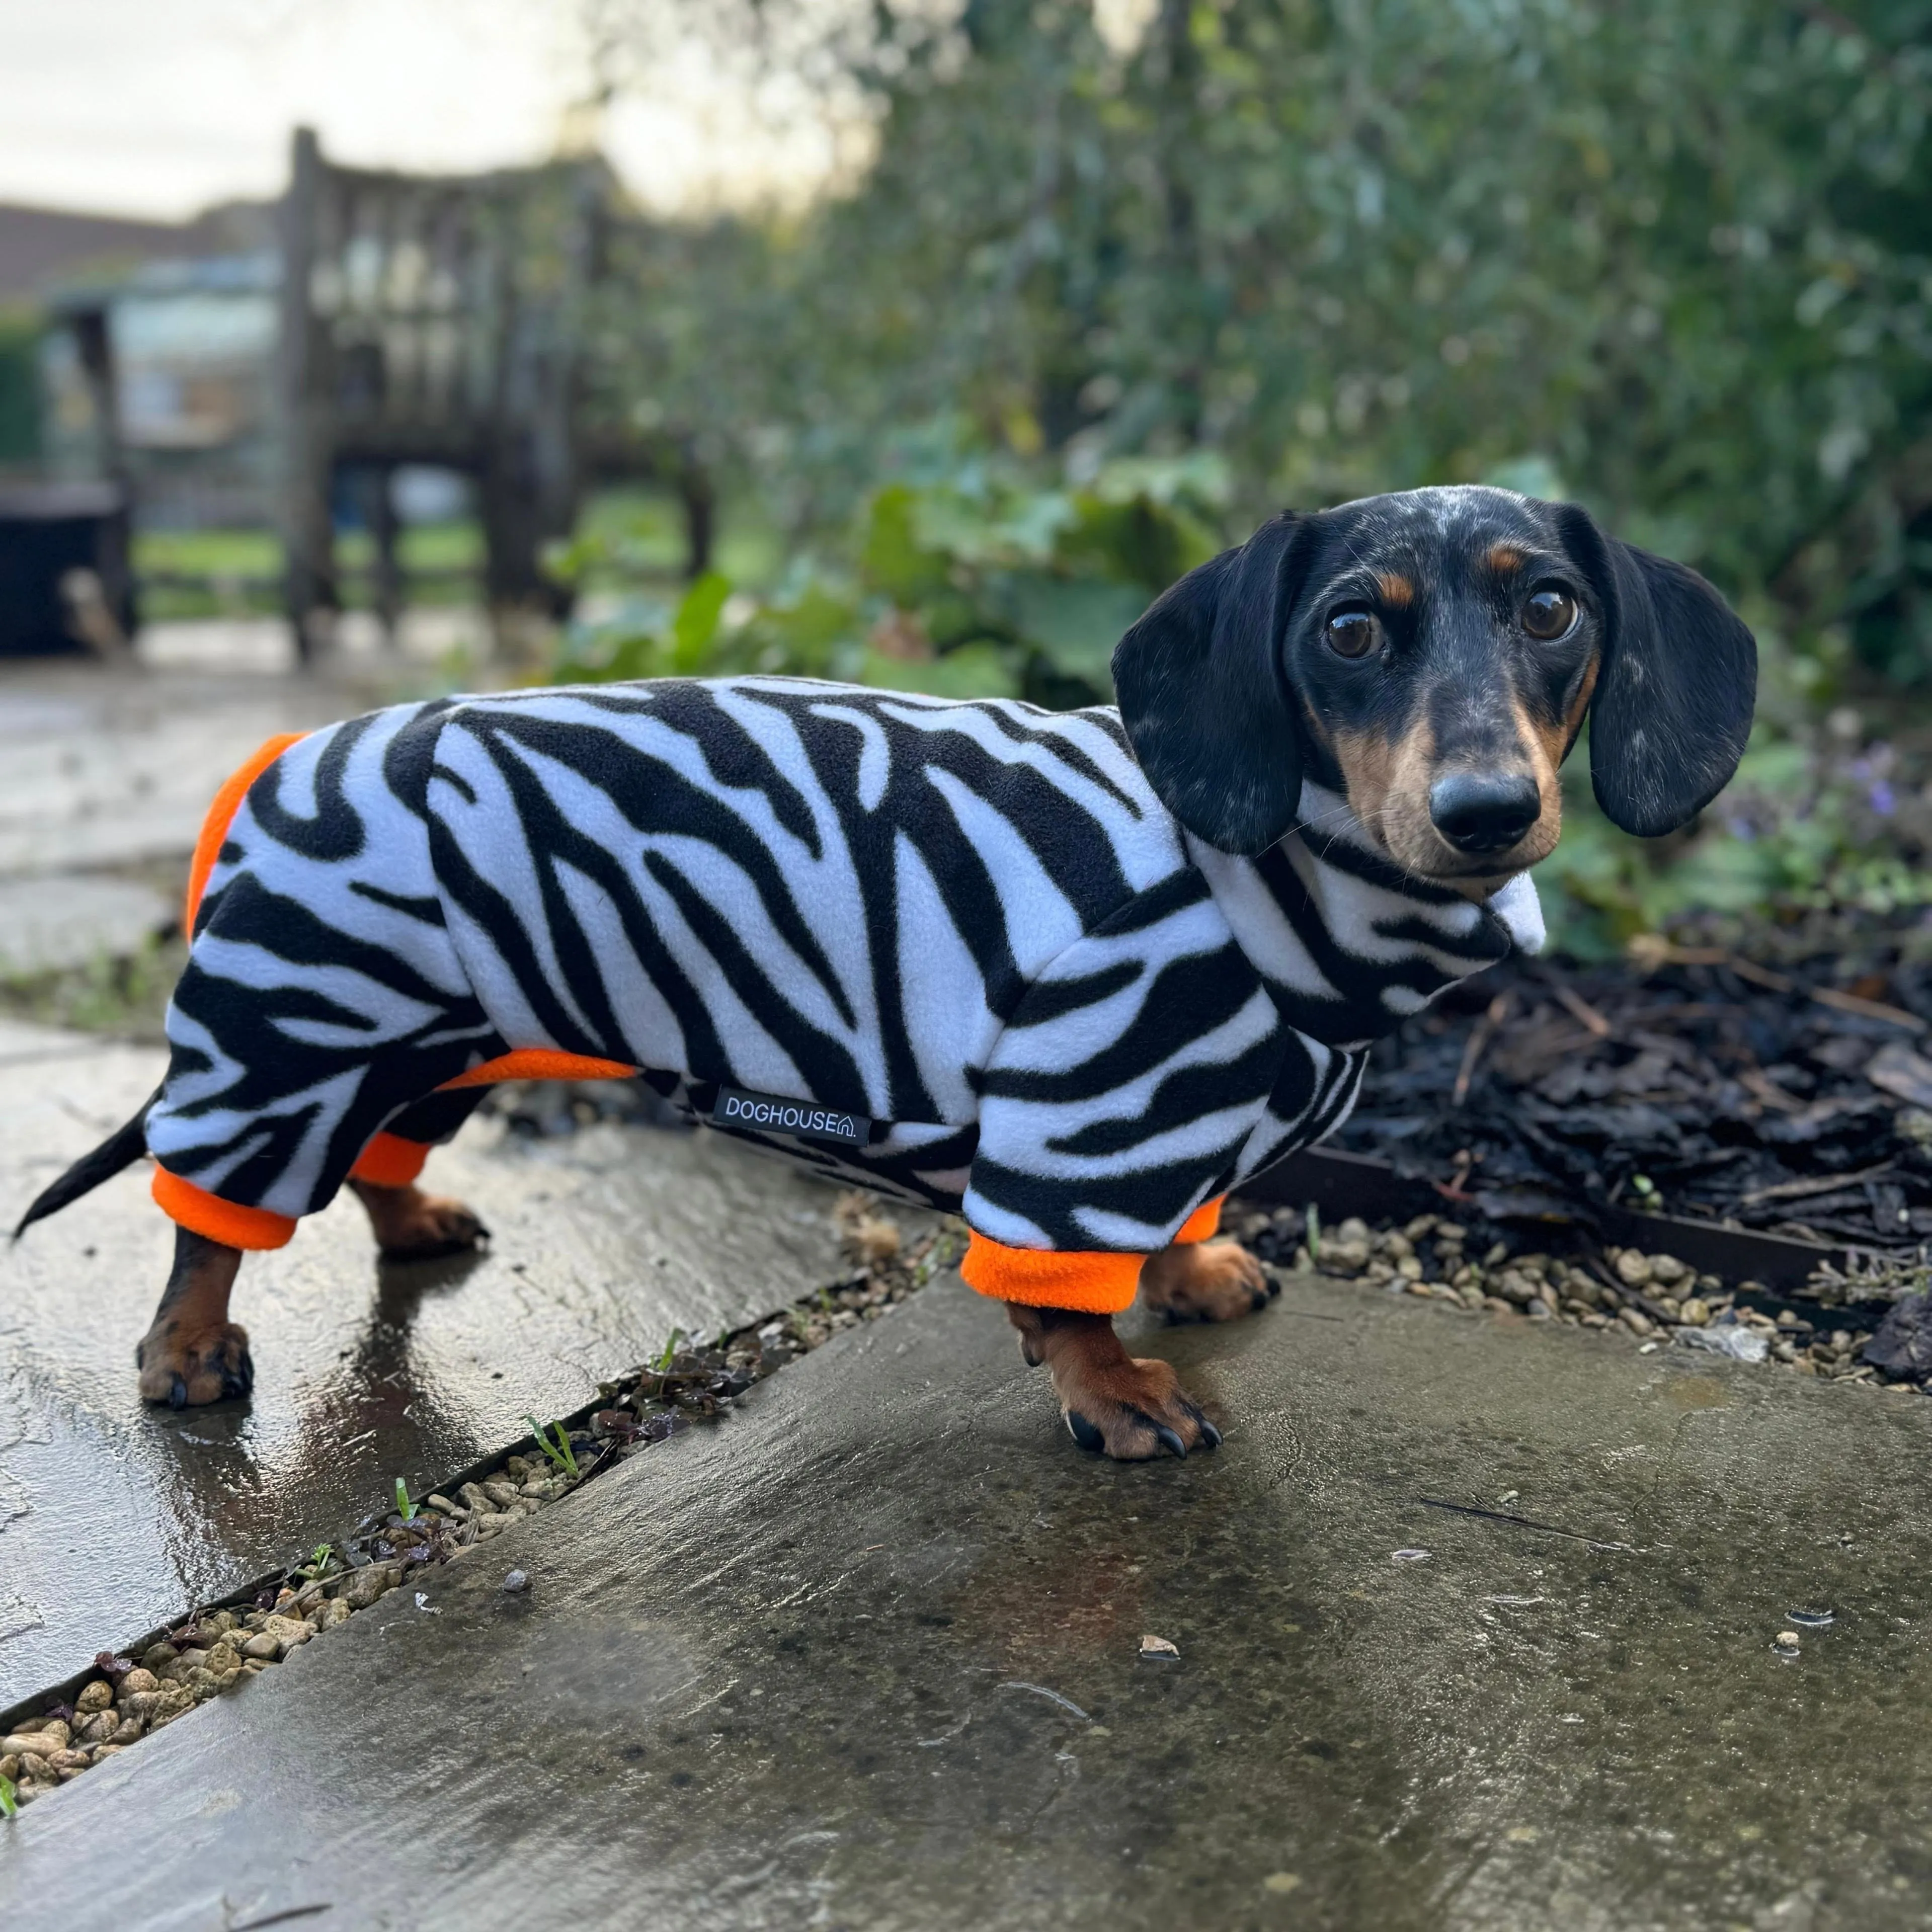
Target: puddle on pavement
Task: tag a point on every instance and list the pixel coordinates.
(1696, 1392)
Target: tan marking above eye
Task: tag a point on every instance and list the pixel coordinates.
(1507, 556)
(1395, 588)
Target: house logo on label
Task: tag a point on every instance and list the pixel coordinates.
(774, 1114)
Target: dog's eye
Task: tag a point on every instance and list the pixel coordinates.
(1354, 633)
(1550, 613)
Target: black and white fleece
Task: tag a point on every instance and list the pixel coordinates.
(973, 924)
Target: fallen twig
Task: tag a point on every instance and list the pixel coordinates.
(1480, 1034)
(1820, 1183)
(1651, 950)
(1522, 1523)
(1574, 1004)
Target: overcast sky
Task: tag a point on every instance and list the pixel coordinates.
(159, 107)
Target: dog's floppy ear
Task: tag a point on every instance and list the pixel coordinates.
(1203, 694)
(1675, 690)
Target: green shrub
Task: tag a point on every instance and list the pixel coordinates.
(975, 582)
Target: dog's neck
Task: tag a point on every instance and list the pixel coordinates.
(1334, 927)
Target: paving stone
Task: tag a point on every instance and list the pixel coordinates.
(114, 1516)
(69, 919)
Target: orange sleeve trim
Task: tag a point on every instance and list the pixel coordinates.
(1204, 1224)
(1093, 1284)
(221, 815)
(540, 1063)
(390, 1161)
(202, 1213)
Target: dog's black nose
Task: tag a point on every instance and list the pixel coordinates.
(1483, 811)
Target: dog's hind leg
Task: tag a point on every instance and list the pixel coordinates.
(412, 1226)
(1205, 1281)
(1129, 1409)
(409, 1224)
(192, 1353)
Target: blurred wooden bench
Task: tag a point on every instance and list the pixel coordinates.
(443, 321)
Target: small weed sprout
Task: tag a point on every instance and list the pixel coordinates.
(405, 1508)
(317, 1566)
(8, 1808)
(1314, 1232)
(561, 1456)
(662, 1366)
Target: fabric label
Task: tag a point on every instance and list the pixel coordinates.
(772, 1114)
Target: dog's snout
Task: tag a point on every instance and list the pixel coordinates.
(1484, 812)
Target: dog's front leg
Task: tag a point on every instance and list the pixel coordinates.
(192, 1353)
(1129, 1409)
(410, 1225)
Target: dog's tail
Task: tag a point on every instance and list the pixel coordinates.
(122, 1148)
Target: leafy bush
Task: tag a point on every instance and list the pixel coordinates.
(970, 580)
(1678, 246)
(1813, 823)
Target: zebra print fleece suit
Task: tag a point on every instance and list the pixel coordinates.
(970, 926)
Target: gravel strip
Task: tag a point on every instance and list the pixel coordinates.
(1649, 1301)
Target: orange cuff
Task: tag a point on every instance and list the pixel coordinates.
(1094, 1284)
(389, 1161)
(1204, 1224)
(540, 1063)
(1090, 1283)
(202, 1213)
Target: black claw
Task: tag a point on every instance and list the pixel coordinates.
(1168, 1441)
(1083, 1433)
(177, 1393)
(1211, 1436)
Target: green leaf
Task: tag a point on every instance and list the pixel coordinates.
(895, 555)
(973, 671)
(695, 625)
(1075, 623)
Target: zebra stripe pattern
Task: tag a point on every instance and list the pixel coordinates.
(972, 923)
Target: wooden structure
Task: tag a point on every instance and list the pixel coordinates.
(441, 321)
(66, 583)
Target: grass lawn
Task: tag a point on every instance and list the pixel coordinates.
(238, 573)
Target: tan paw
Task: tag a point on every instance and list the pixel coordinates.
(410, 1225)
(186, 1368)
(1205, 1281)
(439, 1226)
(1131, 1410)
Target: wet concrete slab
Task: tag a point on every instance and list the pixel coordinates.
(866, 1656)
(103, 768)
(68, 920)
(115, 1517)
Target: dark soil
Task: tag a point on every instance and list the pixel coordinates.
(1796, 1100)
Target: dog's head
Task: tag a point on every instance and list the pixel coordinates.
(1431, 656)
